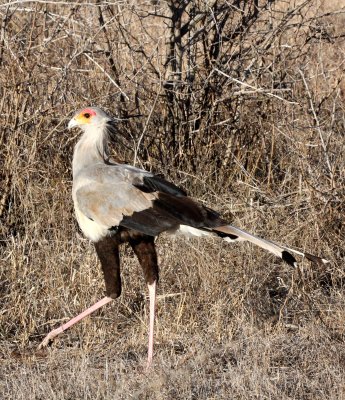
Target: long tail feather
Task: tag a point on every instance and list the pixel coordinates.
(235, 234)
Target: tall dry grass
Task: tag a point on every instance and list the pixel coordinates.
(242, 103)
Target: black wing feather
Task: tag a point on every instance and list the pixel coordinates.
(168, 212)
(155, 183)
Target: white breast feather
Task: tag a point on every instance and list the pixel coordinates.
(91, 229)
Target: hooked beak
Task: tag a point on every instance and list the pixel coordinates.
(72, 123)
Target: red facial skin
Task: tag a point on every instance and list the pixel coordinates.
(88, 111)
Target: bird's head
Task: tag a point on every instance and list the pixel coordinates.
(90, 117)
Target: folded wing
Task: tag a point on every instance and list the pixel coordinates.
(122, 195)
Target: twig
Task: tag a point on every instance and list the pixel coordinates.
(145, 127)
(54, 2)
(257, 90)
(317, 123)
(107, 75)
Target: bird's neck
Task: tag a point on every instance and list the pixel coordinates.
(92, 148)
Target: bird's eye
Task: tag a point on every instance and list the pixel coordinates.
(87, 115)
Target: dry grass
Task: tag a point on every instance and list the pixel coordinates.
(233, 322)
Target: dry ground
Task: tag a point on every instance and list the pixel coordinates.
(233, 322)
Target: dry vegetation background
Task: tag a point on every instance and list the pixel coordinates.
(240, 102)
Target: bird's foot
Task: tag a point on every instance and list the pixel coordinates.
(148, 364)
(50, 337)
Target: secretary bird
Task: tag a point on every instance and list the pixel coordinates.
(116, 203)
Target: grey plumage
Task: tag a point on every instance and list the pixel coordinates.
(108, 195)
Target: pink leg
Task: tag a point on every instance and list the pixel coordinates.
(152, 298)
(51, 335)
